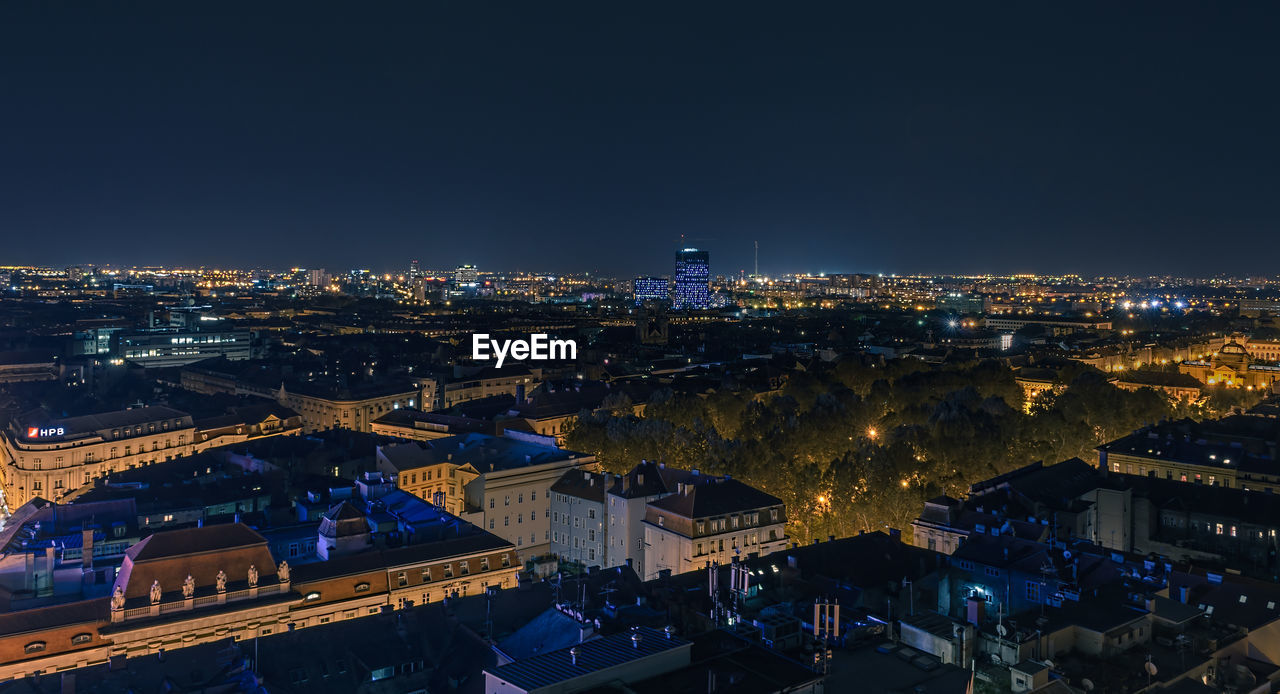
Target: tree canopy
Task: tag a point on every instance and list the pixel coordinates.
(860, 447)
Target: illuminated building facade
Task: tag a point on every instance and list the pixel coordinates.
(48, 457)
(1235, 367)
(649, 289)
(162, 349)
(693, 280)
(355, 409)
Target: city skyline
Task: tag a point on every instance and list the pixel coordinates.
(843, 140)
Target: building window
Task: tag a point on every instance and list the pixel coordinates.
(448, 570)
(506, 560)
(484, 563)
(402, 579)
(1033, 591)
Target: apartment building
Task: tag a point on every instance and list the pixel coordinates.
(502, 484)
(579, 525)
(711, 519)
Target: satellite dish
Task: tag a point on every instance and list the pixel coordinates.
(1001, 630)
(1087, 684)
(1066, 554)
(1151, 668)
(1048, 663)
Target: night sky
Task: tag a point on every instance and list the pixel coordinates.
(878, 137)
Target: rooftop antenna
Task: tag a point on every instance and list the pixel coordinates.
(757, 243)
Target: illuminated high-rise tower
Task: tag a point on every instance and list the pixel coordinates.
(693, 280)
(649, 289)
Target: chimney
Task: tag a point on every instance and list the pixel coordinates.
(86, 548)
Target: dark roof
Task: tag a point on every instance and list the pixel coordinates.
(40, 618)
(381, 558)
(736, 664)
(713, 496)
(583, 484)
(648, 478)
(1160, 378)
(430, 421)
(105, 420)
(592, 656)
(210, 538)
(485, 453)
(343, 520)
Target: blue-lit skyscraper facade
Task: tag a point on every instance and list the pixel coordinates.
(693, 280)
(649, 289)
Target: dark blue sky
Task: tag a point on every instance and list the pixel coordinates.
(894, 137)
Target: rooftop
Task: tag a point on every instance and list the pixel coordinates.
(484, 453)
(591, 657)
(705, 496)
